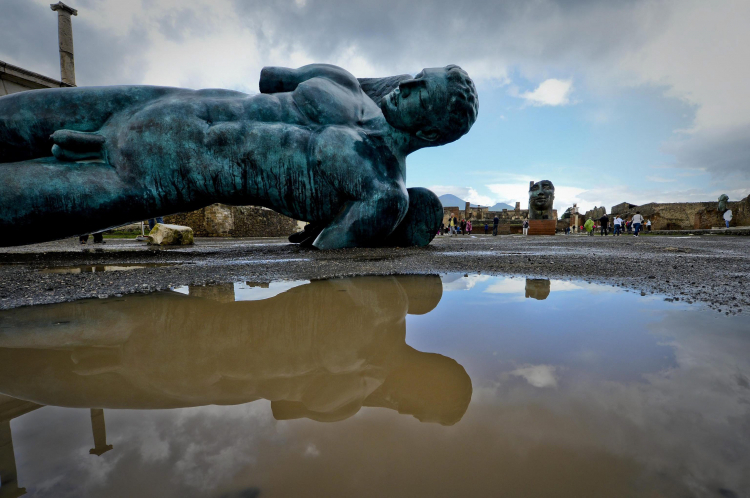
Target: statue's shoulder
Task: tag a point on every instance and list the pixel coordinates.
(327, 102)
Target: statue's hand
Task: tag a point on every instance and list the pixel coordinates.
(77, 146)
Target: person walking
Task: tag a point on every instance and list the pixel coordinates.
(604, 221)
(525, 227)
(463, 226)
(629, 226)
(648, 225)
(618, 225)
(456, 226)
(589, 226)
(637, 220)
(468, 227)
(727, 217)
(495, 223)
(486, 229)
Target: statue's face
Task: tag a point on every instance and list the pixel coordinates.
(541, 195)
(418, 105)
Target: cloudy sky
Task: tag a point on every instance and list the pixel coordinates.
(624, 100)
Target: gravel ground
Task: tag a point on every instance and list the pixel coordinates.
(711, 269)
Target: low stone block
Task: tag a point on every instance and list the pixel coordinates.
(170, 235)
(542, 227)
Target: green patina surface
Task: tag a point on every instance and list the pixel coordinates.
(316, 144)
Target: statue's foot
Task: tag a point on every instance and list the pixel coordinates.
(306, 237)
(422, 221)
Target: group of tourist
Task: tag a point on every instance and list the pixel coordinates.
(456, 227)
(619, 226)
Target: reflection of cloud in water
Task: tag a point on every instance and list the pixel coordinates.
(507, 286)
(454, 282)
(687, 425)
(248, 291)
(537, 375)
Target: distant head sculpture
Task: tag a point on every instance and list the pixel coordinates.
(317, 144)
(537, 288)
(320, 350)
(723, 199)
(541, 197)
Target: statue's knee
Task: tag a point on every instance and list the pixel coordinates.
(422, 220)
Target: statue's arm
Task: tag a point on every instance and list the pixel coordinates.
(284, 79)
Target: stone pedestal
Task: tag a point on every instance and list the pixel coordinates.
(542, 227)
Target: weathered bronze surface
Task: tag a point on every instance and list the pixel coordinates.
(541, 197)
(316, 144)
(723, 199)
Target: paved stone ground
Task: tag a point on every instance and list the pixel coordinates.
(712, 269)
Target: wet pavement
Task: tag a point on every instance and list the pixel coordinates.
(408, 385)
(711, 269)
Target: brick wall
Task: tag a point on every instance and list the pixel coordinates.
(220, 220)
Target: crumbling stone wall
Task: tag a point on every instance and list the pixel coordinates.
(687, 215)
(220, 220)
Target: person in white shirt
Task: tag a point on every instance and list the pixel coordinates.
(618, 225)
(637, 220)
(727, 217)
(648, 225)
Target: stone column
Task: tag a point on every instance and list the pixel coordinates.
(8, 475)
(467, 211)
(100, 433)
(65, 40)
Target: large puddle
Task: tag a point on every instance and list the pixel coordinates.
(376, 386)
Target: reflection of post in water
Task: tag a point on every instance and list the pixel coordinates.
(321, 350)
(538, 288)
(100, 433)
(10, 408)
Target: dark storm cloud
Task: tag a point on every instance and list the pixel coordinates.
(395, 33)
(725, 153)
(28, 38)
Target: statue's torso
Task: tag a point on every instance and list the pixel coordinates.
(295, 152)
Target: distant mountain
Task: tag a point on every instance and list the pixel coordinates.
(501, 205)
(450, 200)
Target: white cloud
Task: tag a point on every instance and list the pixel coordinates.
(537, 375)
(660, 179)
(552, 92)
(565, 196)
(469, 194)
(455, 282)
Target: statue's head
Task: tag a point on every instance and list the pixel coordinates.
(429, 386)
(439, 105)
(541, 196)
(723, 199)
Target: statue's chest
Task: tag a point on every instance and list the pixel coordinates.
(326, 103)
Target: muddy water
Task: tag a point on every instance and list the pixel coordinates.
(101, 268)
(376, 386)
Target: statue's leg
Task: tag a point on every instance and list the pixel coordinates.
(366, 222)
(422, 221)
(46, 199)
(28, 119)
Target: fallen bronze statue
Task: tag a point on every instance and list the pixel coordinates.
(317, 144)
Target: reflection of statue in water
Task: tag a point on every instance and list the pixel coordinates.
(538, 288)
(541, 196)
(316, 144)
(723, 199)
(320, 351)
